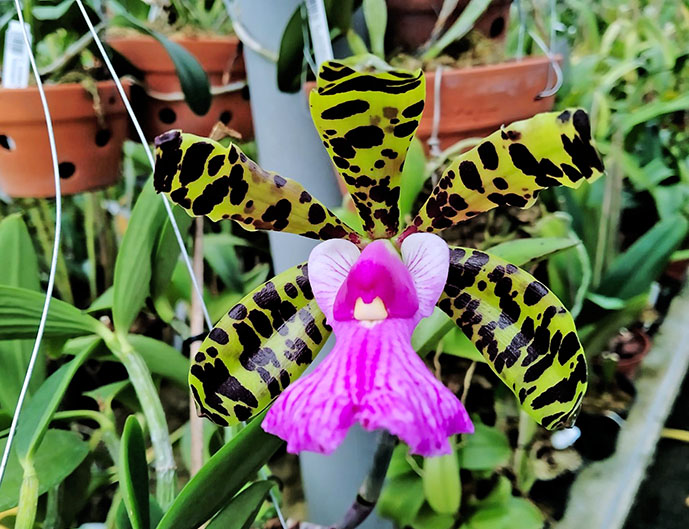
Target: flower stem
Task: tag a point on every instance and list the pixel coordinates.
(370, 489)
(147, 395)
(28, 497)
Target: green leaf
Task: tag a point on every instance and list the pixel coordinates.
(462, 26)
(40, 408)
(122, 518)
(413, 177)
(376, 16)
(20, 312)
(241, 512)
(430, 331)
(515, 513)
(290, 56)
(102, 302)
(456, 343)
(161, 358)
(486, 449)
(133, 265)
(652, 110)
(58, 456)
(633, 271)
(133, 473)
(441, 484)
(429, 519)
(166, 254)
(19, 271)
(48, 12)
(221, 477)
(356, 43)
(522, 251)
(401, 499)
(192, 77)
(219, 251)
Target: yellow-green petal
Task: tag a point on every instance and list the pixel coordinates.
(206, 178)
(523, 331)
(367, 121)
(511, 166)
(258, 348)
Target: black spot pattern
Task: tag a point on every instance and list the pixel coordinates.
(524, 336)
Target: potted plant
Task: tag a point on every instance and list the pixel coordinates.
(476, 81)
(89, 120)
(204, 30)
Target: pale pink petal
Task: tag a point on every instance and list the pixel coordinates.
(329, 264)
(427, 257)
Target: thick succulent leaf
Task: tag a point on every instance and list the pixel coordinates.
(206, 178)
(263, 344)
(522, 329)
(366, 121)
(511, 166)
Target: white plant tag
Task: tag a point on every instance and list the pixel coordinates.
(15, 61)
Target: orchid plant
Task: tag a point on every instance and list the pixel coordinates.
(372, 287)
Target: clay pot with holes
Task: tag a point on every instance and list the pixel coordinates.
(410, 22)
(478, 100)
(159, 103)
(89, 149)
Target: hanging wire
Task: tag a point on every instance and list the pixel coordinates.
(56, 248)
(151, 161)
(522, 30)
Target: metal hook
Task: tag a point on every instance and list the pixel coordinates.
(547, 92)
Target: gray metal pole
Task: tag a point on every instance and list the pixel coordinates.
(288, 143)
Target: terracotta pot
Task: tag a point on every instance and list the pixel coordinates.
(88, 153)
(476, 101)
(222, 60)
(632, 350)
(410, 22)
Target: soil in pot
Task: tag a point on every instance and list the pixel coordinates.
(410, 22)
(89, 149)
(160, 104)
(631, 348)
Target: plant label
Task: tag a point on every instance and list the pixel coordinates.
(15, 61)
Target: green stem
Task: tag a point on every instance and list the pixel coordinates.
(28, 497)
(146, 392)
(107, 428)
(52, 509)
(61, 276)
(89, 228)
(527, 430)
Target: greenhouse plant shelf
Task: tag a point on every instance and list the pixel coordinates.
(604, 491)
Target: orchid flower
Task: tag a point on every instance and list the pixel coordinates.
(371, 288)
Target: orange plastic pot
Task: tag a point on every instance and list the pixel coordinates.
(89, 151)
(476, 101)
(222, 60)
(410, 22)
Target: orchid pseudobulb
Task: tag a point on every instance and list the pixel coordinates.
(371, 288)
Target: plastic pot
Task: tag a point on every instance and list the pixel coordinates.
(410, 22)
(160, 105)
(632, 349)
(89, 150)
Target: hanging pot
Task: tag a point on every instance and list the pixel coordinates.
(410, 22)
(89, 149)
(478, 100)
(159, 103)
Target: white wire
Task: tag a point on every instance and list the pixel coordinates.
(151, 161)
(53, 259)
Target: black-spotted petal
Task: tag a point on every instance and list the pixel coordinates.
(367, 121)
(206, 178)
(511, 166)
(254, 352)
(522, 329)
